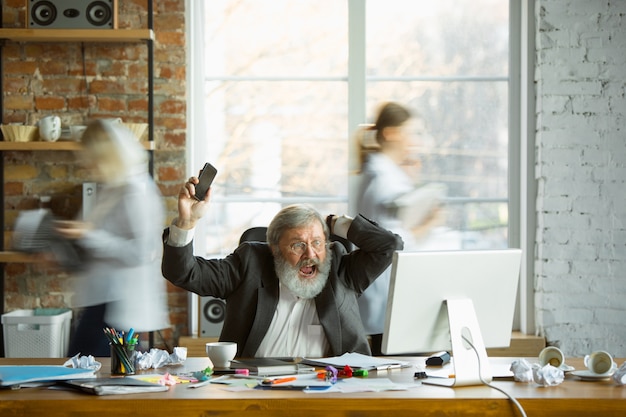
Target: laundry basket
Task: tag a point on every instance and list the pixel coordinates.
(38, 333)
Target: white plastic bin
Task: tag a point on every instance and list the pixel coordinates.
(39, 333)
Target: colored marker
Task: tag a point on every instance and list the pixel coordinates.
(245, 372)
(279, 380)
(131, 332)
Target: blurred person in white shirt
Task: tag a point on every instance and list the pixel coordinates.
(120, 284)
(388, 173)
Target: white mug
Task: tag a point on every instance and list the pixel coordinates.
(551, 355)
(600, 362)
(50, 128)
(221, 353)
(77, 132)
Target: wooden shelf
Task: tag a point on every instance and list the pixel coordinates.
(77, 35)
(196, 346)
(18, 257)
(522, 345)
(61, 145)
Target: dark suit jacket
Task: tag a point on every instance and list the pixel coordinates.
(246, 279)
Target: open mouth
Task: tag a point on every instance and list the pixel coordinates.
(308, 271)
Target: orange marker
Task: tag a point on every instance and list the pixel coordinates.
(279, 380)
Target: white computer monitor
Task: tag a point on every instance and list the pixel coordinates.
(438, 298)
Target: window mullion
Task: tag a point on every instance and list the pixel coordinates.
(357, 66)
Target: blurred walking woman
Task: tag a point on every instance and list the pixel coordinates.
(385, 158)
(120, 284)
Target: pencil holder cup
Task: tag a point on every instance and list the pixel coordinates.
(122, 360)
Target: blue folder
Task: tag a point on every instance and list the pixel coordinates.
(21, 374)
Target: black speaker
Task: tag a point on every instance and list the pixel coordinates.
(72, 14)
(212, 312)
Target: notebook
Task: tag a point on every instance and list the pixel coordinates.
(357, 361)
(35, 232)
(110, 386)
(270, 366)
(22, 374)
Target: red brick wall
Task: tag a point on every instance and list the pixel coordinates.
(78, 82)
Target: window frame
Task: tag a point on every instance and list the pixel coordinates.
(521, 183)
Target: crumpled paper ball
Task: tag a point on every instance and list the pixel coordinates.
(547, 375)
(522, 370)
(157, 358)
(619, 377)
(83, 362)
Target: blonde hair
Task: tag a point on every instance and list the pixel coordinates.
(115, 150)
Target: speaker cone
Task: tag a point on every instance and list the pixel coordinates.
(44, 13)
(214, 311)
(99, 13)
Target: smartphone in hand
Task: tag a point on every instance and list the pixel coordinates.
(206, 177)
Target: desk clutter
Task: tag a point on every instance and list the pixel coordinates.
(348, 373)
(551, 368)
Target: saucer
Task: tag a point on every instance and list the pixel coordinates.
(587, 375)
(566, 368)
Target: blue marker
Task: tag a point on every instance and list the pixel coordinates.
(131, 332)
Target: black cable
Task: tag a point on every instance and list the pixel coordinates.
(167, 347)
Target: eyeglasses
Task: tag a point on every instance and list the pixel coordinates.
(299, 248)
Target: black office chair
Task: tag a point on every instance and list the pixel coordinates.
(254, 234)
(259, 234)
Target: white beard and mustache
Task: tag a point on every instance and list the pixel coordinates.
(303, 288)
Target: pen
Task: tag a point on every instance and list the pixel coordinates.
(279, 380)
(388, 367)
(199, 384)
(442, 376)
(231, 372)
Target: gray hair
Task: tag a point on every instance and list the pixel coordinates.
(293, 216)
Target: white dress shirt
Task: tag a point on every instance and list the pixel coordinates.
(295, 330)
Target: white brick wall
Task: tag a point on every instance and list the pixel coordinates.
(580, 270)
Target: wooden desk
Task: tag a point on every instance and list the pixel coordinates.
(572, 398)
(521, 345)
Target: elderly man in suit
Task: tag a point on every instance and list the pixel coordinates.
(294, 296)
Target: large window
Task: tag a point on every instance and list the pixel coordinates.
(284, 85)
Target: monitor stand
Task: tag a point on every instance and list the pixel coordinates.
(467, 369)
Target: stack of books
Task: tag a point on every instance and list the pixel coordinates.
(270, 366)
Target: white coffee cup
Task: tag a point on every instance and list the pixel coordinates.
(49, 128)
(221, 353)
(551, 355)
(600, 362)
(77, 132)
